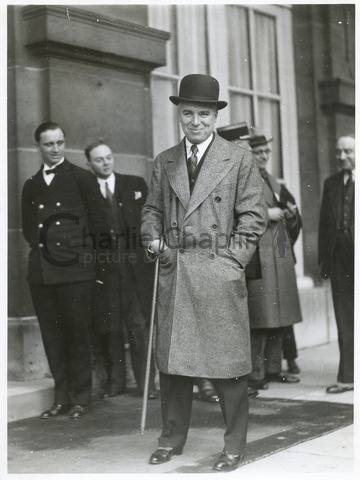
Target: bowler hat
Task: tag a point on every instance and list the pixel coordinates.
(200, 89)
(257, 140)
(240, 131)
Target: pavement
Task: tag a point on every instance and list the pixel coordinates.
(328, 456)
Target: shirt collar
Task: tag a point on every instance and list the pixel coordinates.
(54, 166)
(110, 181)
(201, 147)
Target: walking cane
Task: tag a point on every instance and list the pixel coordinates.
(148, 358)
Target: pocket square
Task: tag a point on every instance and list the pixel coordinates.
(137, 195)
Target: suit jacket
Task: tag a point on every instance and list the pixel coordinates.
(330, 220)
(124, 273)
(202, 317)
(54, 222)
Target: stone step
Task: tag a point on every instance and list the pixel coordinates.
(29, 399)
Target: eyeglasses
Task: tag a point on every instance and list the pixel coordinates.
(263, 150)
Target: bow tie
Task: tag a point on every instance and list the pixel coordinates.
(52, 170)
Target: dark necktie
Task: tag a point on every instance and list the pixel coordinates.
(109, 194)
(193, 160)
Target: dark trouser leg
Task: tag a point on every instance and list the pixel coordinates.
(75, 301)
(138, 339)
(273, 351)
(234, 404)
(176, 399)
(258, 343)
(342, 285)
(53, 336)
(116, 360)
(289, 343)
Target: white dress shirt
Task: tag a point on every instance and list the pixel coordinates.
(110, 180)
(48, 177)
(201, 147)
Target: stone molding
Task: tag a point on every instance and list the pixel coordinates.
(337, 95)
(80, 35)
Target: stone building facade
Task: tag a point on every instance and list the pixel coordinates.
(107, 71)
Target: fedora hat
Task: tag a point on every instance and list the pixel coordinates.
(257, 140)
(199, 88)
(239, 131)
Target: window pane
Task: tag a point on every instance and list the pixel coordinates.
(266, 54)
(238, 41)
(269, 114)
(165, 131)
(241, 108)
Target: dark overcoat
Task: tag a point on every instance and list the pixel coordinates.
(55, 224)
(124, 275)
(330, 220)
(202, 314)
(273, 298)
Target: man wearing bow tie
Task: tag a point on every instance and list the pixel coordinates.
(54, 218)
(203, 217)
(123, 278)
(336, 255)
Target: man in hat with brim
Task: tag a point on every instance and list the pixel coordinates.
(203, 217)
(273, 297)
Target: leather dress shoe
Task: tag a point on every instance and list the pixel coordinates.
(206, 391)
(77, 411)
(282, 378)
(227, 462)
(162, 455)
(55, 410)
(152, 395)
(293, 367)
(340, 388)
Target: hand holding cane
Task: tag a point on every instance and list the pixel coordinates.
(149, 351)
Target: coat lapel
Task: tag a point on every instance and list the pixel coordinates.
(215, 167)
(178, 174)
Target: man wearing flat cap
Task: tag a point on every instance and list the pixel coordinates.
(203, 217)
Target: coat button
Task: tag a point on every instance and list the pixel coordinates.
(217, 199)
(58, 244)
(120, 204)
(214, 226)
(40, 225)
(57, 222)
(41, 245)
(174, 224)
(41, 205)
(212, 255)
(181, 250)
(58, 204)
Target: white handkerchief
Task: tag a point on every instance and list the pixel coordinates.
(137, 195)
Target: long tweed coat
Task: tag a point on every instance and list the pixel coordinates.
(202, 314)
(273, 299)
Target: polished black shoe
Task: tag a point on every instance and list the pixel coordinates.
(293, 367)
(282, 378)
(207, 391)
(77, 411)
(162, 455)
(152, 395)
(55, 410)
(227, 462)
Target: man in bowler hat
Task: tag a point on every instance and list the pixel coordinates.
(203, 217)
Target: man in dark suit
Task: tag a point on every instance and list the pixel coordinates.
(203, 217)
(336, 255)
(60, 276)
(123, 277)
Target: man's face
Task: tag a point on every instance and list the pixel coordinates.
(101, 161)
(51, 146)
(345, 153)
(197, 121)
(262, 154)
